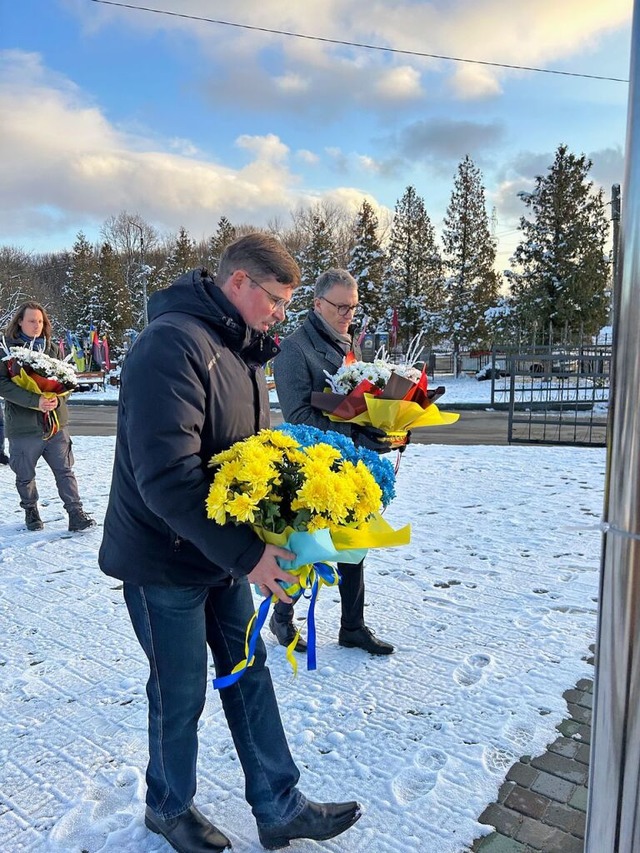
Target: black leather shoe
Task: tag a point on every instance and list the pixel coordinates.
(317, 821)
(190, 832)
(364, 638)
(285, 632)
(4, 459)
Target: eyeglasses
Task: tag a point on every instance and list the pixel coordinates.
(276, 301)
(343, 310)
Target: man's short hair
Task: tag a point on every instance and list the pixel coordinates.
(326, 280)
(260, 255)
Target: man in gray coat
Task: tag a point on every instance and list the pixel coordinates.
(320, 345)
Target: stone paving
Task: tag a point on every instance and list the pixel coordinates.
(541, 806)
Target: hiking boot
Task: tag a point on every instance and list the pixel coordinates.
(79, 520)
(364, 638)
(285, 632)
(318, 821)
(4, 459)
(32, 518)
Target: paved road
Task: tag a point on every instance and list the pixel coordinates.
(474, 427)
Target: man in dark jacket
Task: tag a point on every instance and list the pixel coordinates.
(320, 345)
(192, 385)
(26, 413)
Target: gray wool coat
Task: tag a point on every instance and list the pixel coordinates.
(298, 370)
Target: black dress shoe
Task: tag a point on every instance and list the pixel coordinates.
(190, 832)
(364, 638)
(285, 632)
(317, 821)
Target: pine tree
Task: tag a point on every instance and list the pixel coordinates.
(116, 317)
(367, 264)
(559, 286)
(182, 257)
(80, 296)
(317, 256)
(225, 234)
(414, 273)
(471, 284)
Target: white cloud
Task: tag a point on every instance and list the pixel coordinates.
(399, 84)
(474, 81)
(306, 156)
(66, 166)
(292, 83)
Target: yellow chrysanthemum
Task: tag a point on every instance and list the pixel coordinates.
(323, 453)
(223, 456)
(216, 500)
(281, 439)
(242, 507)
(319, 494)
(259, 492)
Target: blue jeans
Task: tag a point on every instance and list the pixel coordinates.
(174, 625)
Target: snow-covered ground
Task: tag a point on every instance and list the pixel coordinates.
(463, 390)
(492, 608)
(468, 390)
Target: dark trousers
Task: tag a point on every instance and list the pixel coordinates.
(174, 625)
(351, 598)
(26, 450)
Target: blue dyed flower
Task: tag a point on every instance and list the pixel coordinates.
(381, 468)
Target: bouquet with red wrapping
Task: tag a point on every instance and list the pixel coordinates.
(42, 374)
(392, 397)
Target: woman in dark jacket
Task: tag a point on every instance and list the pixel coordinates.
(25, 414)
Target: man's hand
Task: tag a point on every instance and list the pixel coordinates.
(47, 404)
(266, 573)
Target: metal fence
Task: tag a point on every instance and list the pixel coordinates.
(554, 396)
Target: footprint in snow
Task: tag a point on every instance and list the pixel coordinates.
(111, 803)
(471, 670)
(415, 782)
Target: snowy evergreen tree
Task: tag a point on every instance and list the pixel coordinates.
(471, 282)
(225, 234)
(182, 256)
(116, 316)
(414, 273)
(559, 284)
(316, 256)
(367, 265)
(80, 292)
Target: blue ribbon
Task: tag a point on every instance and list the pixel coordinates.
(320, 571)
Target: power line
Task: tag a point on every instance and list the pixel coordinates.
(359, 44)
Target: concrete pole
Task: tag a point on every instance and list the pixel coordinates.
(613, 812)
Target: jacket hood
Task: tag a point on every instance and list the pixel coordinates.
(196, 293)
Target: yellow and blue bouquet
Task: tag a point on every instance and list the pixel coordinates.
(312, 492)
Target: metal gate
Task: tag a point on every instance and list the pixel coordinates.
(556, 396)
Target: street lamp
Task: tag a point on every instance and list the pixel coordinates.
(143, 273)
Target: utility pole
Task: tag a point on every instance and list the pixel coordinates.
(143, 273)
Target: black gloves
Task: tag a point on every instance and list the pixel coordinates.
(372, 438)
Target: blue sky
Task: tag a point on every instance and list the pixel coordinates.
(108, 109)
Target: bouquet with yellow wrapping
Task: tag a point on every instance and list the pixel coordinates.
(315, 494)
(392, 397)
(42, 374)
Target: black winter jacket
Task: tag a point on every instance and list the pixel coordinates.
(191, 385)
